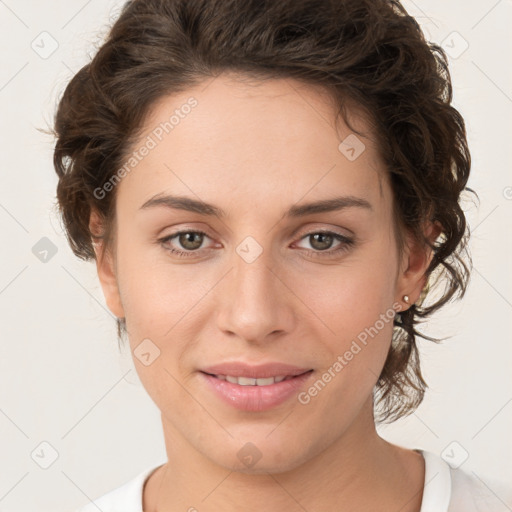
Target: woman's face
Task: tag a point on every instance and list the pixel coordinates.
(262, 285)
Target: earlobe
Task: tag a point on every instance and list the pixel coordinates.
(106, 270)
(417, 258)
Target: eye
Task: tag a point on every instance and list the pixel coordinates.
(321, 241)
(191, 241)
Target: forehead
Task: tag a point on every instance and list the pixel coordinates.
(276, 140)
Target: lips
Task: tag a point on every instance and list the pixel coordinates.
(256, 395)
(242, 371)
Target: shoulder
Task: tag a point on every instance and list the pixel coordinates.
(449, 489)
(472, 493)
(127, 497)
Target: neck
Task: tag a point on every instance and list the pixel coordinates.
(360, 470)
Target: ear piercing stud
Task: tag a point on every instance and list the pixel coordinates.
(406, 299)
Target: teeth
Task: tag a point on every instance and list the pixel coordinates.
(247, 381)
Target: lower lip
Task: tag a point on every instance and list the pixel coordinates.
(256, 398)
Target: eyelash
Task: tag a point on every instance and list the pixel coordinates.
(346, 244)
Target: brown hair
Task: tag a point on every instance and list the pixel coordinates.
(367, 52)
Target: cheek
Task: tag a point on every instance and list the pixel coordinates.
(358, 310)
(166, 307)
(361, 323)
(354, 301)
(350, 296)
(156, 293)
(159, 307)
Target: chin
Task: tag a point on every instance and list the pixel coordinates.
(259, 454)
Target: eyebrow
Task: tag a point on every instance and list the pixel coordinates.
(193, 205)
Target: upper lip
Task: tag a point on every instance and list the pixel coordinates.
(239, 369)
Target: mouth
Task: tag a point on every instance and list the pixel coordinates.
(257, 381)
(255, 394)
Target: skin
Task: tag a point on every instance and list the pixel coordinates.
(244, 146)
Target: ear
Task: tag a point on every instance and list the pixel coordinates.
(414, 264)
(106, 268)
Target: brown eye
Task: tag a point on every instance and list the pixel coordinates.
(190, 240)
(184, 243)
(321, 241)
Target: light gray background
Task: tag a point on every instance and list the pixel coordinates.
(62, 380)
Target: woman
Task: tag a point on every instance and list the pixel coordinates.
(268, 190)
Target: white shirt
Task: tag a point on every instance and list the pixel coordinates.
(445, 490)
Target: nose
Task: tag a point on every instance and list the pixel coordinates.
(255, 303)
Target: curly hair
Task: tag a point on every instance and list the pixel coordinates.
(368, 53)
